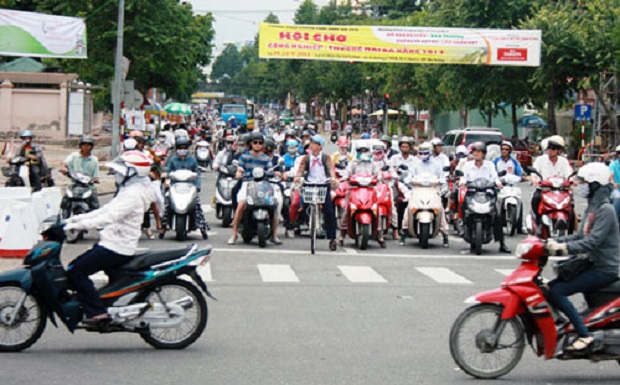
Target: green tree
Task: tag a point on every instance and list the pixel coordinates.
(229, 62)
(306, 13)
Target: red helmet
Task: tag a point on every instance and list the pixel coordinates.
(342, 142)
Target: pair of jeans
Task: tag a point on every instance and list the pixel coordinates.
(96, 259)
(589, 280)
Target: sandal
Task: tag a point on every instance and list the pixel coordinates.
(580, 344)
(332, 245)
(232, 240)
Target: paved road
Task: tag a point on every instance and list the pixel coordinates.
(381, 316)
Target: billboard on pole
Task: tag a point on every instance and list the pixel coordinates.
(40, 35)
(394, 44)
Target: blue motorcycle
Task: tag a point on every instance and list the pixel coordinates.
(145, 296)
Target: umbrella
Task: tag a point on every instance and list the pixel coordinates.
(532, 121)
(178, 109)
(390, 112)
(154, 108)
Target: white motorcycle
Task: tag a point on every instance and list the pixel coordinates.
(424, 208)
(203, 154)
(182, 195)
(225, 184)
(510, 203)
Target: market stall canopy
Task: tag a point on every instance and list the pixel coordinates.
(390, 112)
(154, 108)
(178, 109)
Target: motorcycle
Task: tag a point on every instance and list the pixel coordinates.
(362, 222)
(260, 206)
(226, 182)
(77, 200)
(17, 172)
(556, 207)
(182, 197)
(423, 208)
(510, 203)
(384, 204)
(203, 154)
(480, 199)
(454, 213)
(339, 195)
(487, 339)
(145, 296)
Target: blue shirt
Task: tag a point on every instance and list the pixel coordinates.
(518, 171)
(189, 163)
(614, 167)
(249, 162)
(289, 161)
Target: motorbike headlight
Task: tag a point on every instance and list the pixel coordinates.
(260, 215)
(249, 200)
(522, 249)
(87, 193)
(69, 193)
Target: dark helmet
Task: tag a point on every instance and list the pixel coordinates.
(87, 139)
(270, 144)
(256, 136)
(244, 139)
(479, 146)
(182, 142)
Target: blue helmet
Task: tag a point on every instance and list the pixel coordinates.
(26, 134)
(292, 143)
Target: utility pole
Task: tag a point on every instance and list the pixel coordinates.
(386, 108)
(118, 81)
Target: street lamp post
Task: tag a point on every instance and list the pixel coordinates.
(118, 81)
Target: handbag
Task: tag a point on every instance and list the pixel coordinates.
(572, 267)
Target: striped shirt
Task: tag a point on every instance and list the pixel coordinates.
(249, 162)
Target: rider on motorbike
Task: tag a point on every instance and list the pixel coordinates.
(184, 161)
(342, 155)
(404, 158)
(481, 168)
(362, 164)
(549, 165)
(37, 164)
(85, 162)
(225, 156)
(387, 141)
(431, 165)
(506, 162)
(255, 158)
(120, 220)
(378, 156)
(598, 238)
(292, 153)
(438, 154)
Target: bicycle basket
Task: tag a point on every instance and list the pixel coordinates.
(314, 194)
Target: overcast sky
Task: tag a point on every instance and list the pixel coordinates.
(238, 20)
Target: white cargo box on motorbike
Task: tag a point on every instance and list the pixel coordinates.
(18, 229)
(46, 203)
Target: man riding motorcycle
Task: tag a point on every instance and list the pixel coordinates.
(598, 238)
(120, 220)
(485, 169)
(431, 165)
(291, 155)
(37, 166)
(184, 161)
(342, 155)
(506, 162)
(226, 156)
(85, 162)
(387, 141)
(549, 165)
(438, 154)
(404, 158)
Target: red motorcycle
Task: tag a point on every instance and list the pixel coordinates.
(339, 194)
(362, 218)
(384, 206)
(455, 214)
(487, 339)
(556, 209)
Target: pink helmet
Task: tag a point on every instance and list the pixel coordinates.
(342, 142)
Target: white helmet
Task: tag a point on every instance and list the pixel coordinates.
(129, 144)
(507, 143)
(618, 148)
(555, 140)
(594, 172)
(461, 151)
(136, 160)
(437, 142)
(425, 151)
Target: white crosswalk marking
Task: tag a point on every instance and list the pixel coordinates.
(443, 275)
(505, 272)
(277, 273)
(361, 274)
(205, 272)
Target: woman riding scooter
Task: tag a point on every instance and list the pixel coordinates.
(598, 238)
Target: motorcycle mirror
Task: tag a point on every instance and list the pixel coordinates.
(447, 168)
(235, 163)
(529, 224)
(501, 173)
(458, 173)
(385, 168)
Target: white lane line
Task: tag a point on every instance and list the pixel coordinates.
(361, 274)
(443, 275)
(505, 272)
(205, 272)
(277, 273)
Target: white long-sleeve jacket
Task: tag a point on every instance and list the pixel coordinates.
(120, 219)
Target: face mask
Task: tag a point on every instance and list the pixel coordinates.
(377, 156)
(364, 156)
(425, 156)
(26, 142)
(162, 140)
(583, 190)
(292, 150)
(182, 152)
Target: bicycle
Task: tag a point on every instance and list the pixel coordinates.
(314, 195)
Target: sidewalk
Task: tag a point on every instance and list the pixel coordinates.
(55, 154)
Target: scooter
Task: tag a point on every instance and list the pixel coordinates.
(384, 205)
(77, 200)
(424, 208)
(225, 184)
(510, 203)
(556, 209)
(339, 194)
(203, 154)
(17, 172)
(487, 339)
(454, 213)
(145, 296)
(480, 199)
(182, 196)
(362, 222)
(260, 208)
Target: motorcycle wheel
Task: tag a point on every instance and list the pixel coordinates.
(261, 230)
(425, 232)
(313, 229)
(511, 220)
(180, 225)
(226, 216)
(364, 236)
(471, 350)
(194, 323)
(30, 322)
(478, 238)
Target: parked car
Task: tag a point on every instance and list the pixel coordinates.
(469, 135)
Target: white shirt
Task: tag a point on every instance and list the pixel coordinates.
(279, 137)
(507, 166)
(316, 169)
(411, 162)
(486, 171)
(151, 129)
(547, 169)
(432, 167)
(443, 161)
(169, 138)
